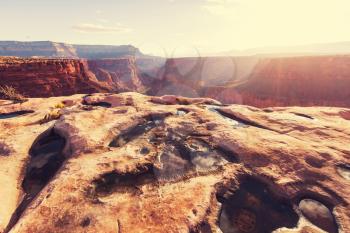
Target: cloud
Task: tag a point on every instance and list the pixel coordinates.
(98, 28)
(102, 20)
(219, 1)
(219, 7)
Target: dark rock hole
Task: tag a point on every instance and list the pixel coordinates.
(146, 125)
(46, 157)
(254, 209)
(99, 104)
(124, 183)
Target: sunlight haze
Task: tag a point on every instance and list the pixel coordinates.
(178, 27)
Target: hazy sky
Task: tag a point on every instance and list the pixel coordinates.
(177, 27)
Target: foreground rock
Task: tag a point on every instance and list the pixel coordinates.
(132, 163)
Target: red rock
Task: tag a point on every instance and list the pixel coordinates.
(264, 82)
(49, 77)
(121, 73)
(57, 77)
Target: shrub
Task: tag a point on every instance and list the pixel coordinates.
(52, 115)
(11, 93)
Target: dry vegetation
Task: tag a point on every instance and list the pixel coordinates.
(10, 93)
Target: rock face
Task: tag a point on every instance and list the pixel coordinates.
(57, 77)
(133, 163)
(191, 76)
(121, 73)
(260, 82)
(49, 77)
(303, 81)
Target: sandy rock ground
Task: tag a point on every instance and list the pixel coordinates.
(133, 163)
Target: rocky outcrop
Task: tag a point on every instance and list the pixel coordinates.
(263, 82)
(120, 73)
(49, 77)
(133, 163)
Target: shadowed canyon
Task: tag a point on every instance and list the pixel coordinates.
(256, 81)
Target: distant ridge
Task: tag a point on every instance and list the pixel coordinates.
(55, 49)
(335, 48)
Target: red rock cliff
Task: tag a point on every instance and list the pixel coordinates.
(305, 81)
(49, 77)
(121, 73)
(261, 82)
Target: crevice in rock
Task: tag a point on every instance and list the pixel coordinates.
(254, 208)
(344, 171)
(267, 110)
(303, 115)
(14, 114)
(242, 121)
(114, 181)
(145, 125)
(98, 104)
(46, 158)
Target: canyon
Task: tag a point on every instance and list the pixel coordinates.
(256, 81)
(260, 81)
(38, 77)
(133, 163)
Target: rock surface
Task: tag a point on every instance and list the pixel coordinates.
(132, 163)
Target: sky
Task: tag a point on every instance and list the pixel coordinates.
(177, 27)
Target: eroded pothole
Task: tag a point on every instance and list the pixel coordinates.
(145, 125)
(46, 158)
(318, 214)
(253, 208)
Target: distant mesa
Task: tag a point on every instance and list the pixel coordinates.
(54, 49)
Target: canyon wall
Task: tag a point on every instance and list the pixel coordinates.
(191, 76)
(261, 82)
(56, 77)
(305, 81)
(49, 77)
(120, 73)
(256, 81)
